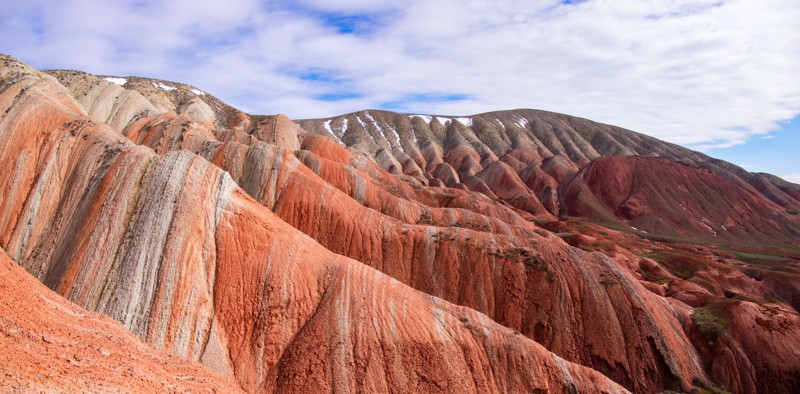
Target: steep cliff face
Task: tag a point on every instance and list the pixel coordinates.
(255, 247)
(170, 247)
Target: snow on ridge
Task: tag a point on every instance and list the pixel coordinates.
(118, 81)
(521, 121)
(344, 128)
(426, 118)
(162, 86)
(396, 136)
(198, 92)
(443, 120)
(375, 123)
(364, 125)
(327, 126)
(465, 121)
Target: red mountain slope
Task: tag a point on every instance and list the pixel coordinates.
(173, 249)
(664, 197)
(200, 261)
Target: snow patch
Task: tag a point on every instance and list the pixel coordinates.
(375, 123)
(344, 128)
(426, 118)
(198, 92)
(396, 136)
(521, 122)
(443, 120)
(118, 81)
(364, 125)
(163, 86)
(327, 126)
(465, 121)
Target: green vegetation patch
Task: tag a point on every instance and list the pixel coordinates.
(713, 319)
(681, 264)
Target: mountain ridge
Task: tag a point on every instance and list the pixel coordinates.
(238, 191)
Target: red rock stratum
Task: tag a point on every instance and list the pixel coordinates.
(388, 252)
(170, 247)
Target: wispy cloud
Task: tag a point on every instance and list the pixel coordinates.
(701, 72)
(793, 177)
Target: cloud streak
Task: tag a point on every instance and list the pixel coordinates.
(700, 72)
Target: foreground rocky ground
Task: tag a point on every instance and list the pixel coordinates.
(436, 254)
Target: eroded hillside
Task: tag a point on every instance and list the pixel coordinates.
(255, 246)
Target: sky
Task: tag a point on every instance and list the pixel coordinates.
(717, 76)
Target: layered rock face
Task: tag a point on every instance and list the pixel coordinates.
(521, 153)
(256, 247)
(49, 344)
(448, 249)
(170, 247)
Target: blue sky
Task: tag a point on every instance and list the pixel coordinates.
(776, 153)
(713, 75)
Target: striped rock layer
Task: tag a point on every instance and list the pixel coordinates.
(256, 247)
(172, 248)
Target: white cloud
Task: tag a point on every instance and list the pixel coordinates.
(794, 177)
(700, 72)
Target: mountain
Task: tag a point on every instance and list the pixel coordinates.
(482, 253)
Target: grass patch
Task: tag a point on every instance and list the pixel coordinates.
(713, 319)
(755, 258)
(681, 264)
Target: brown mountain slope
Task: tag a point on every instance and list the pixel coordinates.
(170, 247)
(49, 344)
(294, 193)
